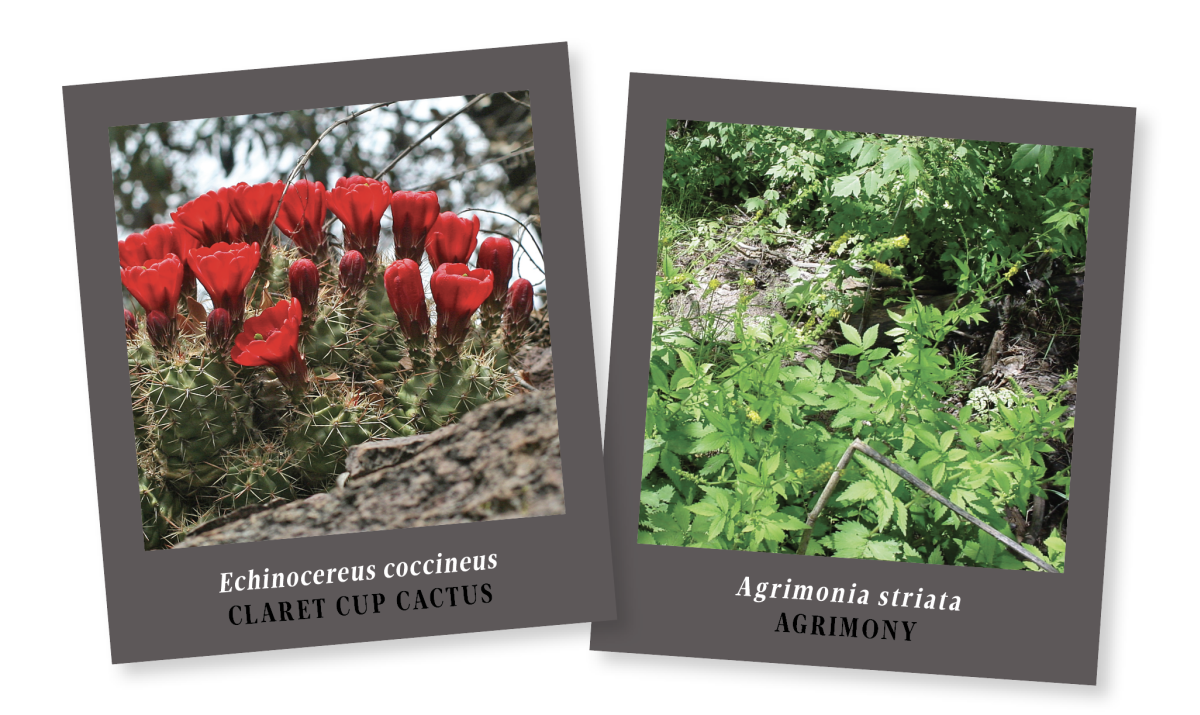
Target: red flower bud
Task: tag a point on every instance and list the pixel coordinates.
(458, 292)
(359, 203)
(406, 293)
(273, 338)
(413, 214)
(451, 239)
(162, 330)
(518, 307)
(496, 255)
(302, 216)
(225, 270)
(352, 270)
(131, 325)
(219, 329)
(253, 207)
(207, 218)
(156, 284)
(305, 283)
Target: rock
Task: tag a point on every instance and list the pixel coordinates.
(500, 461)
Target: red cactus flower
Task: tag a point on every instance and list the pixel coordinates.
(208, 219)
(304, 283)
(161, 329)
(253, 207)
(413, 214)
(451, 239)
(302, 216)
(496, 255)
(351, 272)
(406, 293)
(225, 270)
(218, 327)
(155, 243)
(458, 292)
(156, 284)
(518, 307)
(359, 203)
(273, 338)
(131, 325)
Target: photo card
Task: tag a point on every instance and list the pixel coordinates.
(336, 300)
(861, 405)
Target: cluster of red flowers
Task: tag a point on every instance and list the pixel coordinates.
(224, 236)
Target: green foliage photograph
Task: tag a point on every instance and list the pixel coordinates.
(865, 346)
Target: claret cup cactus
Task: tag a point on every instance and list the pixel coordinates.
(308, 348)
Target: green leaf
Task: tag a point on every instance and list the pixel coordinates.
(649, 462)
(709, 443)
(714, 464)
(850, 540)
(688, 363)
(704, 508)
(770, 465)
(862, 490)
(787, 522)
(659, 379)
(869, 337)
(851, 147)
(851, 334)
(871, 181)
(847, 185)
(881, 550)
(947, 440)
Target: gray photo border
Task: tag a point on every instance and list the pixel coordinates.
(681, 601)
(550, 570)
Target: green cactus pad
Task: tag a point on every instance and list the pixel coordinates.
(336, 339)
(162, 510)
(328, 425)
(435, 398)
(256, 474)
(194, 409)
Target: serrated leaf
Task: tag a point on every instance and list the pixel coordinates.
(946, 440)
(848, 185)
(659, 379)
(851, 334)
(881, 550)
(869, 153)
(770, 465)
(704, 508)
(787, 521)
(869, 337)
(862, 490)
(714, 464)
(649, 462)
(686, 360)
(850, 540)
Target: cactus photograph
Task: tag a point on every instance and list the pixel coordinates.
(300, 284)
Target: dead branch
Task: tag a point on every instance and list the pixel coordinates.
(860, 446)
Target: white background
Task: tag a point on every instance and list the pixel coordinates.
(55, 631)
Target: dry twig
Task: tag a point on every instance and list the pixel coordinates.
(860, 446)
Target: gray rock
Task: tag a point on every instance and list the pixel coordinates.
(500, 461)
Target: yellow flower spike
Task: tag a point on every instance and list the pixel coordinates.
(754, 417)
